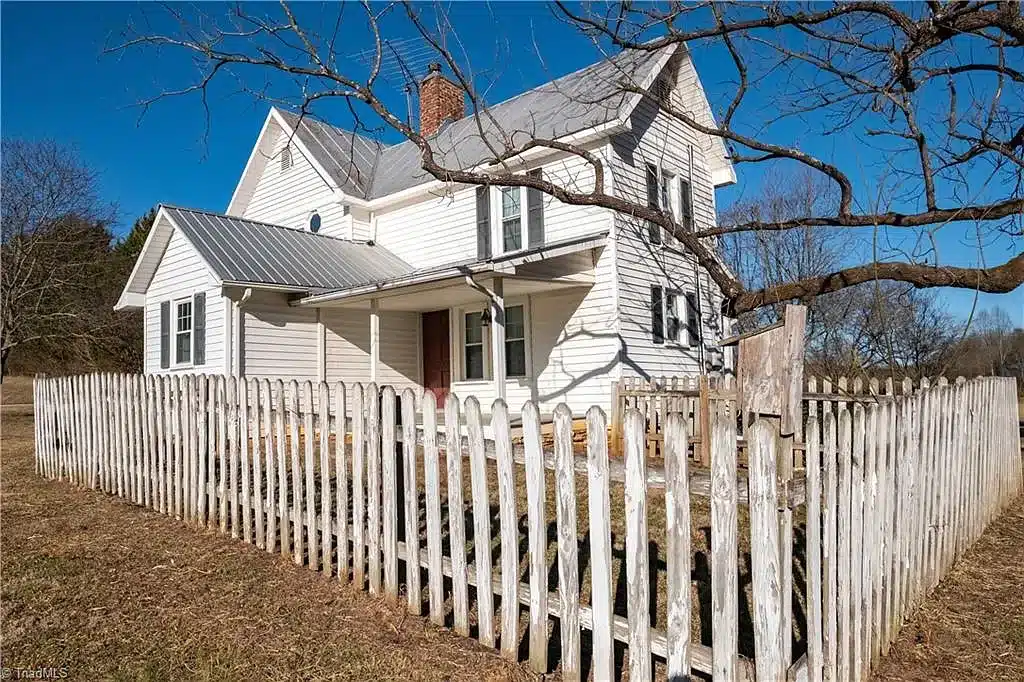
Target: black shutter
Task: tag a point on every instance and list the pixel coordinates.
(199, 328)
(535, 212)
(692, 319)
(165, 335)
(657, 316)
(483, 223)
(653, 229)
(686, 201)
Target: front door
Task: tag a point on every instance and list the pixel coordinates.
(437, 364)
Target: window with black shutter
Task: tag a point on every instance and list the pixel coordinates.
(686, 204)
(535, 212)
(672, 315)
(657, 316)
(199, 327)
(165, 335)
(653, 201)
(692, 319)
(483, 223)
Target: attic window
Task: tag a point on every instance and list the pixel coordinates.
(286, 158)
(314, 222)
(662, 90)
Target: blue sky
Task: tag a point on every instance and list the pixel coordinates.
(56, 82)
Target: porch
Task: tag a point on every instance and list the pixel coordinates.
(493, 329)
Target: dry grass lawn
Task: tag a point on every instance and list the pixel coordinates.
(972, 625)
(113, 591)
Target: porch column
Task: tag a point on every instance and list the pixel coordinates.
(498, 336)
(374, 339)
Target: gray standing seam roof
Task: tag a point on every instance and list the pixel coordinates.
(575, 102)
(261, 253)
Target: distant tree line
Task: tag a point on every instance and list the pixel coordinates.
(881, 328)
(63, 267)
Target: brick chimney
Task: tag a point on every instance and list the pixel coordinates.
(440, 100)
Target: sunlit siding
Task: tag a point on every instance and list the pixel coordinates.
(180, 274)
(640, 265)
(287, 196)
(442, 228)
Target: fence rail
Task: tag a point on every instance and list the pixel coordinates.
(499, 537)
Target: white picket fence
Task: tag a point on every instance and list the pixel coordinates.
(364, 499)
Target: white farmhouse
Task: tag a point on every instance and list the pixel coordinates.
(339, 258)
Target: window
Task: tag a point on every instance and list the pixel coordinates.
(657, 316)
(686, 205)
(672, 315)
(286, 157)
(515, 341)
(474, 345)
(667, 179)
(511, 219)
(662, 90)
(183, 332)
(665, 322)
(653, 201)
(314, 222)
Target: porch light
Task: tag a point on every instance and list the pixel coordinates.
(485, 317)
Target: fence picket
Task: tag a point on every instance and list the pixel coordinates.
(509, 528)
(245, 458)
(373, 485)
(677, 530)
(295, 505)
(414, 592)
(456, 514)
(637, 569)
(308, 496)
(724, 542)
(260, 425)
(600, 545)
(857, 545)
(202, 410)
(538, 541)
(764, 536)
(433, 495)
(358, 490)
(481, 520)
(814, 573)
(845, 588)
(283, 510)
(568, 575)
(389, 497)
(341, 479)
(326, 530)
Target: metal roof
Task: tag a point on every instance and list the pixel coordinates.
(578, 101)
(250, 252)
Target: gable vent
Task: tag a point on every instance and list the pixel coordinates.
(286, 157)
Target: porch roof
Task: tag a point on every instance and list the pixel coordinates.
(519, 265)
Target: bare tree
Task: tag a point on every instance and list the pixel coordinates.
(54, 241)
(933, 83)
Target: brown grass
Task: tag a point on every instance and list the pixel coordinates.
(972, 626)
(16, 391)
(113, 591)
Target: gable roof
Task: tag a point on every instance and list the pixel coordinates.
(585, 99)
(247, 252)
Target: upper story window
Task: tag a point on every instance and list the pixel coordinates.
(665, 321)
(663, 90)
(286, 157)
(314, 222)
(183, 331)
(511, 218)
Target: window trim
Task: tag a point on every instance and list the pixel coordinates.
(176, 306)
(498, 222)
(681, 315)
(460, 315)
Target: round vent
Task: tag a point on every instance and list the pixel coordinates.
(314, 222)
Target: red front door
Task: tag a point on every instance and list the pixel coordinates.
(437, 364)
